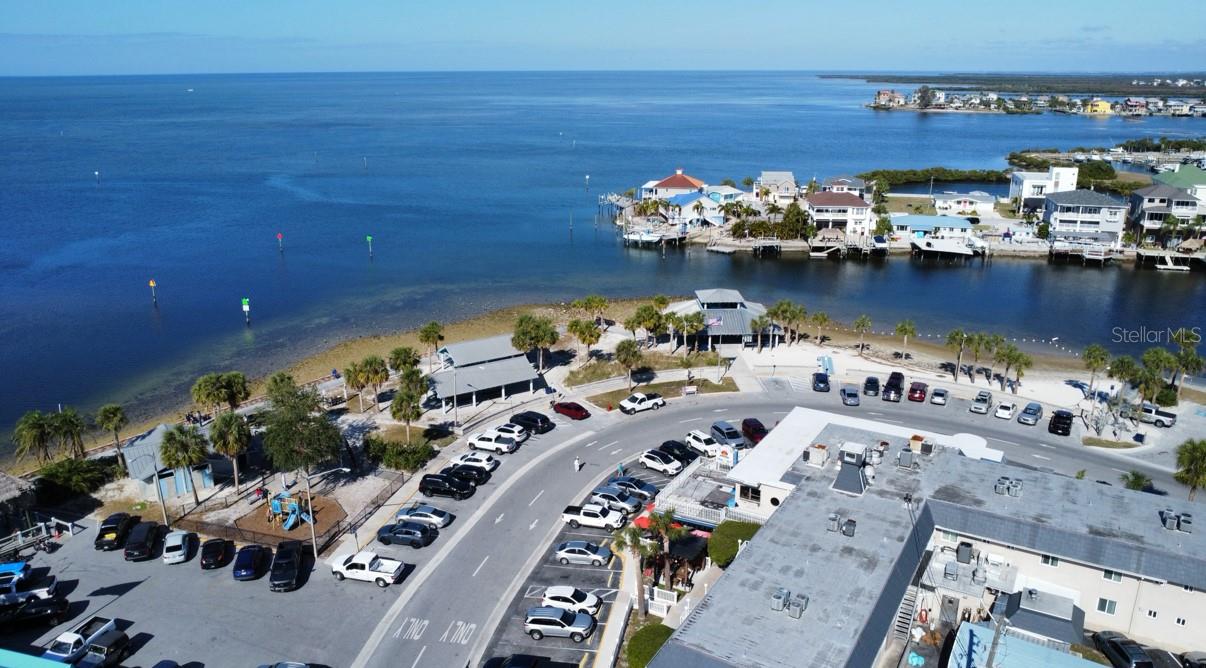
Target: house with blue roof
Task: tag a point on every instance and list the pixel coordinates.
(973, 645)
(917, 226)
(694, 209)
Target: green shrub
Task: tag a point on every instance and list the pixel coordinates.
(409, 458)
(722, 546)
(68, 478)
(645, 643)
(1167, 396)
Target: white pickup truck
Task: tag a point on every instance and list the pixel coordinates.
(69, 646)
(592, 515)
(367, 566)
(637, 402)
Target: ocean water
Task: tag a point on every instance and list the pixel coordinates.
(467, 183)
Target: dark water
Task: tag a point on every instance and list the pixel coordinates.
(467, 183)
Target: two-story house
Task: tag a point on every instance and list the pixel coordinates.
(1190, 178)
(1085, 215)
(1150, 206)
(1028, 189)
(842, 210)
(675, 184)
(847, 184)
(779, 187)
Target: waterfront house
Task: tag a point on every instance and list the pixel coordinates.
(1154, 104)
(724, 194)
(780, 187)
(145, 463)
(917, 226)
(482, 368)
(1151, 205)
(1085, 215)
(1028, 189)
(1098, 107)
(843, 210)
(1187, 177)
(1177, 108)
(847, 184)
(728, 318)
(1134, 106)
(694, 209)
(677, 183)
(889, 98)
(975, 203)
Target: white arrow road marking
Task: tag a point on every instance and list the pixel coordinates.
(533, 524)
(499, 518)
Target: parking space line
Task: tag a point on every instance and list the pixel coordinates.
(1041, 457)
(608, 445)
(616, 451)
(419, 657)
(719, 410)
(590, 444)
(689, 420)
(479, 566)
(1001, 440)
(1121, 471)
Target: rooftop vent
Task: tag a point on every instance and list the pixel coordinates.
(905, 459)
(1032, 594)
(853, 453)
(1169, 518)
(1185, 522)
(848, 528)
(797, 606)
(978, 576)
(964, 553)
(779, 599)
(1015, 487)
(1002, 485)
(835, 522)
(951, 571)
(927, 447)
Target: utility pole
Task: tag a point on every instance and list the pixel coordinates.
(996, 640)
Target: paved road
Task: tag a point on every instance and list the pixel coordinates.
(462, 585)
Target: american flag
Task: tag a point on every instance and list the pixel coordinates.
(714, 322)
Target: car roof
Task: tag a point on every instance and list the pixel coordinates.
(574, 543)
(1033, 404)
(176, 535)
(697, 432)
(560, 590)
(939, 389)
(547, 611)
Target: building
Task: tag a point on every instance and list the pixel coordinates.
(889, 98)
(675, 184)
(694, 209)
(973, 645)
(841, 210)
(1177, 108)
(780, 187)
(975, 203)
(1085, 215)
(1151, 205)
(917, 226)
(728, 318)
(724, 194)
(145, 464)
(891, 535)
(482, 368)
(1028, 189)
(1188, 178)
(1098, 107)
(847, 184)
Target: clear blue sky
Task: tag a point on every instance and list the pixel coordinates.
(40, 37)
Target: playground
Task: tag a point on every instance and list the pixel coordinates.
(287, 515)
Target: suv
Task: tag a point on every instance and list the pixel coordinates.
(702, 443)
(434, 484)
(537, 423)
(141, 542)
(679, 451)
(871, 386)
(1153, 414)
(917, 391)
(107, 650)
(286, 566)
(727, 434)
(558, 623)
(894, 387)
(615, 498)
(1061, 423)
(982, 402)
(1031, 414)
(407, 533)
(753, 430)
(820, 382)
(111, 534)
(1121, 650)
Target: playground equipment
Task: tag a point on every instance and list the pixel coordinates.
(287, 511)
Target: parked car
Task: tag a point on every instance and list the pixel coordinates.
(753, 430)
(871, 386)
(558, 623)
(107, 650)
(368, 567)
(1152, 414)
(571, 410)
(572, 599)
(1121, 651)
(536, 423)
(1060, 423)
(140, 544)
(616, 499)
(641, 401)
(112, 532)
(1162, 658)
(702, 443)
(679, 451)
(939, 396)
(249, 562)
(593, 515)
(820, 382)
(634, 486)
(19, 584)
(1194, 659)
(70, 646)
(1031, 414)
(582, 552)
(727, 434)
(285, 573)
(917, 391)
(1005, 410)
(49, 611)
(492, 441)
(893, 388)
(413, 534)
(982, 402)
(470, 474)
(513, 431)
(424, 514)
(519, 661)
(175, 547)
(849, 395)
(213, 553)
(434, 484)
(478, 459)
(660, 461)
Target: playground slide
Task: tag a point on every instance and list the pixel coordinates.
(292, 520)
(306, 518)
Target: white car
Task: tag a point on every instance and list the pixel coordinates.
(660, 462)
(175, 547)
(639, 401)
(367, 567)
(572, 599)
(702, 443)
(938, 397)
(1005, 410)
(492, 440)
(424, 514)
(513, 431)
(476, 459)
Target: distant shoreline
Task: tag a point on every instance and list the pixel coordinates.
(919, 110)
(1113, 85)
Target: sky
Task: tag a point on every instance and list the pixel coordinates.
(89, 37)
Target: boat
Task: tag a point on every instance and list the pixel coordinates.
(1166, 264)
(943, 246)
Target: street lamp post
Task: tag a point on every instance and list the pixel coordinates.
(310, 507)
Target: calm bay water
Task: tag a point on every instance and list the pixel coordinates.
(467, 183)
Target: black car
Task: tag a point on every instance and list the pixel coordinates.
(434, 484)
(1060, 423)
(140, 544)
(894, 388)
(249, 562)
(473, 475)
(537, 423)
(214, 552)
(820, 382)
(524, 661)
(1121, 650)
(112, 533)
(49, 611)
(871, 386)
(679, 451)
(286, 566)
(407, 533)
(107, 650)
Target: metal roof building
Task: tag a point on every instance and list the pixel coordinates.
(482, 366)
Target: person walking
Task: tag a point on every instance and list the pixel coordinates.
(577, 464)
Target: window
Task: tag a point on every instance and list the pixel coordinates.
(1152, 614)
(1107, 606)
(950, 536)
(1180, 621)
(1112, 576)
(751, 494)
(1049, 560)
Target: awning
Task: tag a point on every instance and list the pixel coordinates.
(482, 377)
(689, 547)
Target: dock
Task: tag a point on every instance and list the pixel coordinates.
(1085, 252)
(1166, 260)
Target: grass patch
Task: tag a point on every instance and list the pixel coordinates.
(644, 643)
(602, 369)
(1090, 654)
(635, 625)
(419, 435)
(917, 205)
(1095, 442)
(672, 388)
(1005, 210)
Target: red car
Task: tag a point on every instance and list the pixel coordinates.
(917, 391)
(752, 429)
(571, 410)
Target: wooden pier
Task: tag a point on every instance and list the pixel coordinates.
(1166, 260)
(1086, 253)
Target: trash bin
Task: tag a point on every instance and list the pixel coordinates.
(1139, 438)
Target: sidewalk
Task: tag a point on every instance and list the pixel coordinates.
(703, 583)
(617, 618)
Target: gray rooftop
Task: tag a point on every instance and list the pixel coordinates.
(143, 453)
(1043, 614)
(1160, 190)
(1083, 198)
(718, 296)
(848, 181)
(975, 196)
(12, 487)
(483, 376)
(477, 351)
(777, 178)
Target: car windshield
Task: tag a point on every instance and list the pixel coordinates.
(567, 617)
(578, 595)
(591, 547)
(176, 547)
(61, 647)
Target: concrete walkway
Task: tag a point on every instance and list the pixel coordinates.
(703, 582)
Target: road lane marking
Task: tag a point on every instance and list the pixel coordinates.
(419, 657)
(499, 518)
(1044, 445)
(479, 566)
(533, 524)
(1001, 440)
(608, 445)
(1121, 471)
(590, 444)
(689, 420)
(616, 451)
(535, 497)
(460, 636)
(719, 410)
(1041, 457)
(412, 628)
(873, 413)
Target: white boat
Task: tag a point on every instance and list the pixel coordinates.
(643, 237)
(1166, 264)
(943, 245)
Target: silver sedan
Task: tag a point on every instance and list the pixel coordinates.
(424, 514)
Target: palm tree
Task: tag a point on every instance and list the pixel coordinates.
(698, 209)
(112, 418)
(68, 427)
(820, 319)
(207, 391)
(796, 316)
(1188, 360)
(1191, 465)
(674, 322)
(1124, 369)
(1007, 355)
(231, 436)
(628, 354)
(905, 328)
(956, 340)
(693, 324)
(1096, 359)
(759, 325)
(375, 373)
(412, 380)
(667, 530)
(406, 407)
(430, 335)
(588, 333)
(403, 357)
(632, 324)
(992, 343)
(233, 389)
(1021, 362)
(184, 447)
(862, 325)
(630, 539)
(32, 435)
(354, 377)
(1136, 480)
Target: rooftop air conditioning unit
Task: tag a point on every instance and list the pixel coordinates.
(1170, 520)
(978, 576)
(835, 522)
(951, 571)
(905, 459)
(1002, 485)
(779, 599)
(963, 553)
(848, 528)
(1185, 522)
(927, 447)
(1015, 488)
(797, 606)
